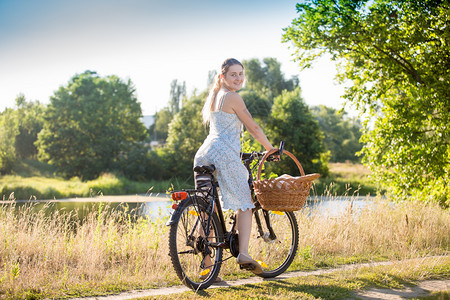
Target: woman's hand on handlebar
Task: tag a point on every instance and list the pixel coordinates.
(275, 156)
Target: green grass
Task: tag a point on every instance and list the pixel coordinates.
(346, 179)
(36, 180)
(335, 285)
(25, 188)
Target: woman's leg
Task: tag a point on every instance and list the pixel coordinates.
(244, 224)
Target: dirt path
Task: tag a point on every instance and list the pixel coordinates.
(423, 289)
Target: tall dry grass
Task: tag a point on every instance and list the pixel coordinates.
(380, 229)
(53, 254)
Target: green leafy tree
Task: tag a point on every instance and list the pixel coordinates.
(30, 120)
(19, 128)
(134, 163)
(293, 122)
(264, 82)
(8, 132)
(260, 109)
(177, 93)
(341, 135)
(91, 125)
(211, 78)
(258, 106)
(186, 134)
(395, 59)
(266, 79)
(160, 129)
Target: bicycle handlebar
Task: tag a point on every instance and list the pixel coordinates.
(249, 157)
(281, 148)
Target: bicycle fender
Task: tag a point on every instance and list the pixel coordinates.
(177, 213)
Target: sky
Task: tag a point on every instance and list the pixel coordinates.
(44, 43)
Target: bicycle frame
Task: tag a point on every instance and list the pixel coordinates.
(211, 193)
(198, 233)
(213, 205)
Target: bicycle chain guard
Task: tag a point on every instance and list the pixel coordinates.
(234, 244)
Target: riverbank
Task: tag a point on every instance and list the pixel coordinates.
(105, 199)
(32, 181)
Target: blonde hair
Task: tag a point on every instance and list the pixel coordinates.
(211, 100)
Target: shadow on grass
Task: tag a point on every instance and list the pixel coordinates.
(324, 286)
(30, 168)
(28, 193)
(283, 288)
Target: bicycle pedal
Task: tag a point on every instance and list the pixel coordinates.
(247, 267)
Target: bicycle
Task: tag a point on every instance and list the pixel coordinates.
(198, 234)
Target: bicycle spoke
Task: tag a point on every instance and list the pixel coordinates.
(274, 241)
(187, 252)
(195, 260)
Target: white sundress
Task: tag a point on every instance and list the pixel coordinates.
(221, 148)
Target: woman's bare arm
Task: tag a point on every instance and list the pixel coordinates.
(235, 102)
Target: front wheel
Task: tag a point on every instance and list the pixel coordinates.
(196, 261)
(274, 241)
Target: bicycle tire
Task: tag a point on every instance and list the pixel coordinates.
(186, 244)
(274, 253)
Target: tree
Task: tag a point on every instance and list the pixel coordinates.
(8, 132)
(395, 57)
(341, 135)
(164, 116)
(91, 125)
(211, 78)
(18, 132)
(177, 92)
(186, 134)
(30, 120)
(267, 80)
(292, 121)
(161, 125)
(258, 106)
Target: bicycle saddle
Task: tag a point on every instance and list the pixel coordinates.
(203, 176)
(205, 169)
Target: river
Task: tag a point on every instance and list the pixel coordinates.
(156, 206)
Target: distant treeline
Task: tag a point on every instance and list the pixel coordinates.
(93, 125)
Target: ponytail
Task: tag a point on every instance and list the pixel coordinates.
(211, 100)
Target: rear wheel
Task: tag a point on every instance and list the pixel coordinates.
(274, 241)
(196, 263)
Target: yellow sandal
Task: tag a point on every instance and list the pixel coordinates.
(245, 262)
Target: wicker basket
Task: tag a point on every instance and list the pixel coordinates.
(283, 193)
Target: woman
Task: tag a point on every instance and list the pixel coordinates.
(226, 112)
